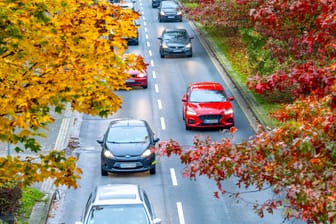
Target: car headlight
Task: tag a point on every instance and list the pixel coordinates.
(191, 111)
(141, 75)
(164, 45)
(178, 12)
(146, 153)
(108, 154)
(188, 45)
(162, 13)
(229, 111)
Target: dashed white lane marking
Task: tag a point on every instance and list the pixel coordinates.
(150, 53)
(173, 176)
(156, 86)
(148, 44)
(159, 104)
(146, 36)
(154, 74)
(180, 212)
(152, 63)
(163, 125)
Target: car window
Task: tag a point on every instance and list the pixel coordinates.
(199, 96)
(129, 134)
(176, 35)
(168, 4)
(118, 214)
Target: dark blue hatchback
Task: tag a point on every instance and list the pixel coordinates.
(127, 146)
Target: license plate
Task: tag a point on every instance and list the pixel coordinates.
(130, 81)
(127, 165)
(171, 17)
(210, 121)
(177, 51)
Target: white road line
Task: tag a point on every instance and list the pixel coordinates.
(163, 126)
(154, 74)
(159, 104)
(143, 17)
(146, 36)
(152, 63)
(144, 23)
(173, 176)
(180, 212)
(148, 44)
(145, 29)
(150, 53)
(156, 88)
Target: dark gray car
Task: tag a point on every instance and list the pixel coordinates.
(127, 146)
(175, 42)
(169, 11)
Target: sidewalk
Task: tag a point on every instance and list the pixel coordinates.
(64, 129)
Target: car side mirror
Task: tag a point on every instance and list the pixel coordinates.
(100, 141)
(191, 37)
(155, 140)
(230, 98)
(160, 38)
(184, 98)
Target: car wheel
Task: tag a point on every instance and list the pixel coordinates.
(152, 171)
(162, 55)
(104, 172)
(145, 87)
(187, 127)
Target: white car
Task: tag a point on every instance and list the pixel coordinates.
(119, 204)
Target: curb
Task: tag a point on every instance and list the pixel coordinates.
(69, 130)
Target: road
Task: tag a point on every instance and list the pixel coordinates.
(177, 200)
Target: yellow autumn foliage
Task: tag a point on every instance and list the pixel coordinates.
(55, 53)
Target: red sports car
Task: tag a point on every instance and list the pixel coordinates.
(206, 105)
(138, 78)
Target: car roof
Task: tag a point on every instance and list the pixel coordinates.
(125, 122)
(115, 194)
(207, 85)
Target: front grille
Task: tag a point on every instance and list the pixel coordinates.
(210, 116)
(210, 119)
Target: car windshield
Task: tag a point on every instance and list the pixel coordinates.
(118, 214)
(128, 134)
(201, 96)
(175, 35)
(168, 4)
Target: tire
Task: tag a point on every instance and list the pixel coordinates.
(162, 55)
(152, 171)
(104, 172)
(187, 127)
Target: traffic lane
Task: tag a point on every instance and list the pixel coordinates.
(69, 207)
(176, 71)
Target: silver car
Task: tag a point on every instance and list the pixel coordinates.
(119, 204)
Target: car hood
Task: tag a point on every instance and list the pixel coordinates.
(122, 149)
(213, 108)
(176, 43)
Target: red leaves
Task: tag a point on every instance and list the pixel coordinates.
(297, 160)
